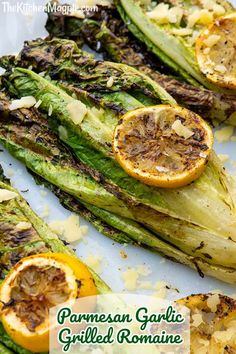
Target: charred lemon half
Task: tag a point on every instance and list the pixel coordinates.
(212, 323)
(216, 51)
(163, 146)
(36, 284)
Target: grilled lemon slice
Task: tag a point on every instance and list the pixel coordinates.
(35, 285)
(216, 51)
(163, 146)
(213, 323)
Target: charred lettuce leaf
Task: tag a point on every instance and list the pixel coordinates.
(17, 133)
(174, 50)
(23, 233)
(105, 32)
(164, 212)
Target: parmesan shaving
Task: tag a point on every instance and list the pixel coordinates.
(21, 226)
(161, 288)
(143, 270)
(94, 262)
(145, 284)
(77, 111)
(211, 40)
(110, 82)
(162, 14)
(220, 68)
(10, 172)
(130, 278)
(182, 31)
(223, 157)
(162, 169)
(24, 102)
(43, 193)
(38, 103)
(224, 134)
(213, 301)
(69, 229)
(197, 320)
(6, 195)
(225, 336)
(181, 130)
(46, 211)
(50, 110)
(203, 17)
(212, 5)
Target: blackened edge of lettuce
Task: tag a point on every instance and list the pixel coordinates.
(105, 32)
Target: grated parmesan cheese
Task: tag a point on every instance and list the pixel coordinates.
(24, 102)
(143, 270)
(94, 262)
(145, 284)
(6, 195)
(162, 169)
(162, 14)
(206, 50)
(181, 130)
(50, 110)
(69, 229)
(21, 226)
(197, 320)
(223, 157)
(203, 17)
(77, 111)
(220, 68)
(225, 336)
(213, 301)
(212, 5)
(38, 104)
(10, 172)
(161, 289)
(110, 82)
(43, 193)
(130, 278)
(46, 211)
(211, 40)
(182, 31)
(224, 134)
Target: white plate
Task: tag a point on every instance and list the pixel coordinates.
(15, 29)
